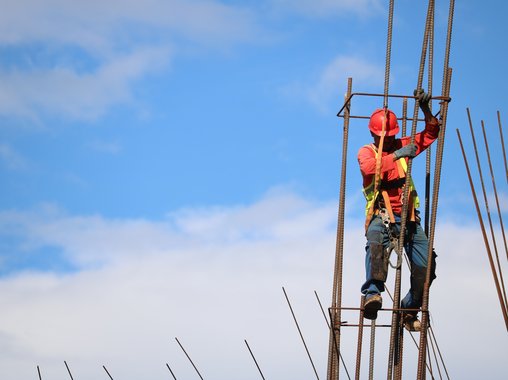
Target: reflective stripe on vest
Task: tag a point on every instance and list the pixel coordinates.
(371, 195)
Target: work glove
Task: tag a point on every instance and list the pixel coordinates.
(408, 150)
(422, 96)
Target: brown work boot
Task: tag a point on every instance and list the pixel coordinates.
(371, 306)
(411, 322)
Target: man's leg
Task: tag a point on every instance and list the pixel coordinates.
(417, 251)
(376, 267)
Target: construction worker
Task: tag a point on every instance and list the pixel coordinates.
(384, 208)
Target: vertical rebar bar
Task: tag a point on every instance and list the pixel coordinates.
(188, 357)
(39, 373)
(334, 343)
(300, 332)
(392, 361)
(360, 340)
(372, 348)
(485, 239)
(388, 54)
(446, 83)
(432, 226)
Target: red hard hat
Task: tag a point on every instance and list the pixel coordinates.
(378, 118)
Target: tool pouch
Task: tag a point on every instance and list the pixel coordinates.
(378, 262)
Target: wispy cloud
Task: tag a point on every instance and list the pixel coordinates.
(325, 91)
(210, 276)
(77, 59)
(11, 158)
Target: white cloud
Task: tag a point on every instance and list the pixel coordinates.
(325, 92)
(77, 95)
(93, 52)
(11, 158)
(213, 278)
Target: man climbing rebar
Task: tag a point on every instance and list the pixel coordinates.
(383, 185)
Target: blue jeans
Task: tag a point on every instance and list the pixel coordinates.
(416, 246)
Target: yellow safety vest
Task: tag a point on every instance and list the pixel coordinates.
(371, 195)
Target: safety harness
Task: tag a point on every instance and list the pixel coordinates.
(378, 203)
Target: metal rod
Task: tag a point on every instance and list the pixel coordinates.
(388, 54)
(68, 370)
(329, 327)
(430, 363)
(393, 361)
(435, 356)
(372, 348)
(334, 344)
(502, 143)
(255, 361)
(350, 96)
(439, 352)
(485, 239)
(432, 227)
(360, 339)
(485, 198)
(500, 271)
(105, 369)
(172, 374)
(188, 357)
(495, 194)
(300, 332)
(39, 373)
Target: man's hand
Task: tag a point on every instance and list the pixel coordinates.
(406, 151)
(423, 100)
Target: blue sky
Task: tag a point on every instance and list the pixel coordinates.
(167, 166)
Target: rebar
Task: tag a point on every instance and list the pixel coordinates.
(334, 341)
(39, 373)
(300, 332)
(403, 221)
(435, 357)
(254, 358)
(502, 143)
(372, 348)
(439, 351)
(68, 370)
(188, 357)
(432, 227)
(388, 53)
(446, 83)
(500, 271)
(105, 369)
(496, 197)
(485, 239)
(171, 371)
(360, 339)
(329, 327)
